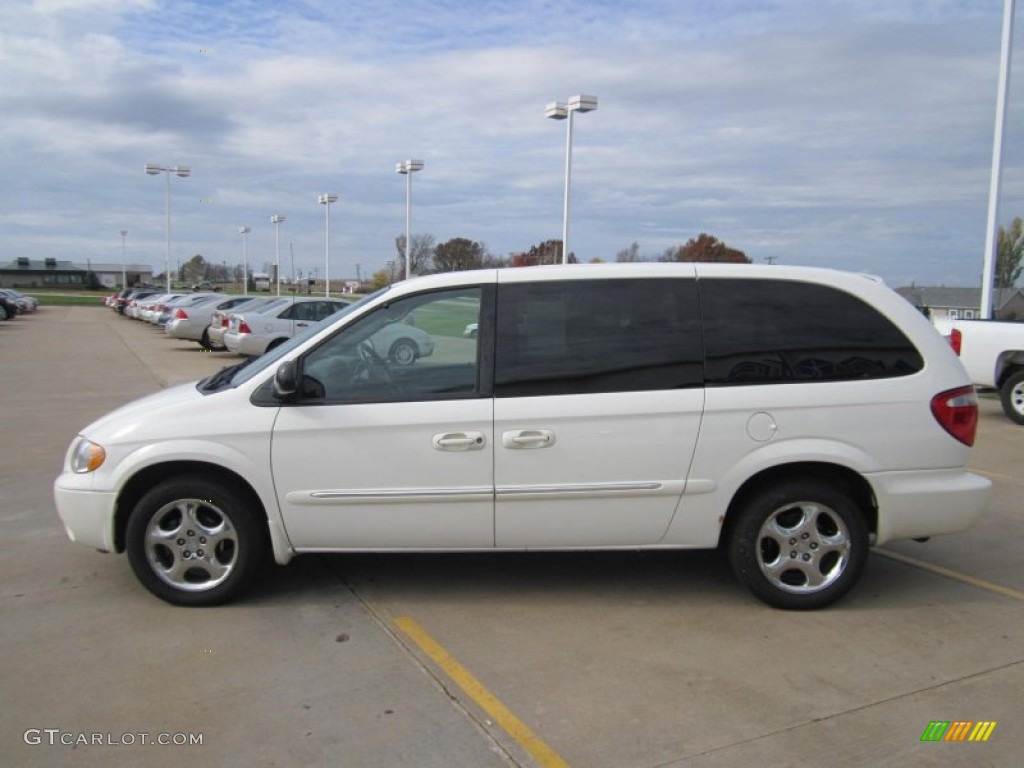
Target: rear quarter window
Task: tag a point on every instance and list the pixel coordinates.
(776, 331)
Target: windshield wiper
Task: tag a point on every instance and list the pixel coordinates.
(222, 377)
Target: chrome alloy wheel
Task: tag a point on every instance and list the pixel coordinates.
(803, 547)
(191, 545)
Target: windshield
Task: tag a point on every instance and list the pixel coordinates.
(234, 375)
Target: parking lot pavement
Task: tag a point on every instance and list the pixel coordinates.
(604, 659)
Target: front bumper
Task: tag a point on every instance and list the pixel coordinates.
(88, 516)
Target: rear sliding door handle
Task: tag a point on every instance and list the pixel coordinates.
(521, 439)
(459, 441)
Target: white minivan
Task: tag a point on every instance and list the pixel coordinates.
(792, 416)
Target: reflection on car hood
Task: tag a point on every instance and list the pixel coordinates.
(118, 424)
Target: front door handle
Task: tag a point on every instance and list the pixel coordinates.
(521, 439)
(459, 441)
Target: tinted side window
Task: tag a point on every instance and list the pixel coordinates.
(583, 336)
(773, 331)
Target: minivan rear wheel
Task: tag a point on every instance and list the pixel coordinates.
(799, 544)
(192, 541)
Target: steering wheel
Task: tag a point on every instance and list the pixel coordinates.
(374, 366)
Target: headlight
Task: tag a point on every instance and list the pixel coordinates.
(86, 456)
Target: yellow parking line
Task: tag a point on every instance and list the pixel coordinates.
(999, 589)
(513, 726)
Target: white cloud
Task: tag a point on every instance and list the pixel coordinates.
(843, 134)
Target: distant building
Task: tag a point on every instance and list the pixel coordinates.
(109, 274)
(53, 273)
(942, 303)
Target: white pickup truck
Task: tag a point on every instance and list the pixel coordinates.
(993, 354)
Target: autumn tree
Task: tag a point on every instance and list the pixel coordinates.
(1010, 254)
(459, 254)
(548, 252)
(704, 247)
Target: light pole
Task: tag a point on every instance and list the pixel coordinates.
(325, 201)
(276, 220)
(991, 237)
(124, 281)
(244, 232)
(183, 172)
(407, 169)
(558, 111)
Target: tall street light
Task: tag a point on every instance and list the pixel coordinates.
(991, 238)
(325, 201)
(407, 169)
(124, 282)
(558, 111)
(244, 232)
(276, 220)
(183, 172)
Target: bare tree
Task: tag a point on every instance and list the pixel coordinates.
(421, 253)
(630, 254)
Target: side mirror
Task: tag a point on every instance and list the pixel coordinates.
(286, 380)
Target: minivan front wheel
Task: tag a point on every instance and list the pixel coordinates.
(800, 544)
(192, 541)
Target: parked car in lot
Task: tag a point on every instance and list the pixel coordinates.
(23, 302)
(220, 319)
(793, 416)
(187, 301)
(8, 308)
(127, 300)
(142, 309)
(152, 313)
(255, 332)
(192, 322)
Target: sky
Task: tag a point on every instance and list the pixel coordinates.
(852, 134)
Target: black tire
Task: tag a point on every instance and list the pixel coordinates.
(204, 342)
(274, 343)
(1011, 395)
(799, 544)
(194, 541)
(403, 352)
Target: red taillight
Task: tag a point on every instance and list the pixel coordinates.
(957, 412)
(243, 327)
(225, 322)
(181, 314)
(956, 340)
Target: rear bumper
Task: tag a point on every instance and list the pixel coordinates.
(216, 337)
(245, 344)
(179, 329)
(929, 503)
